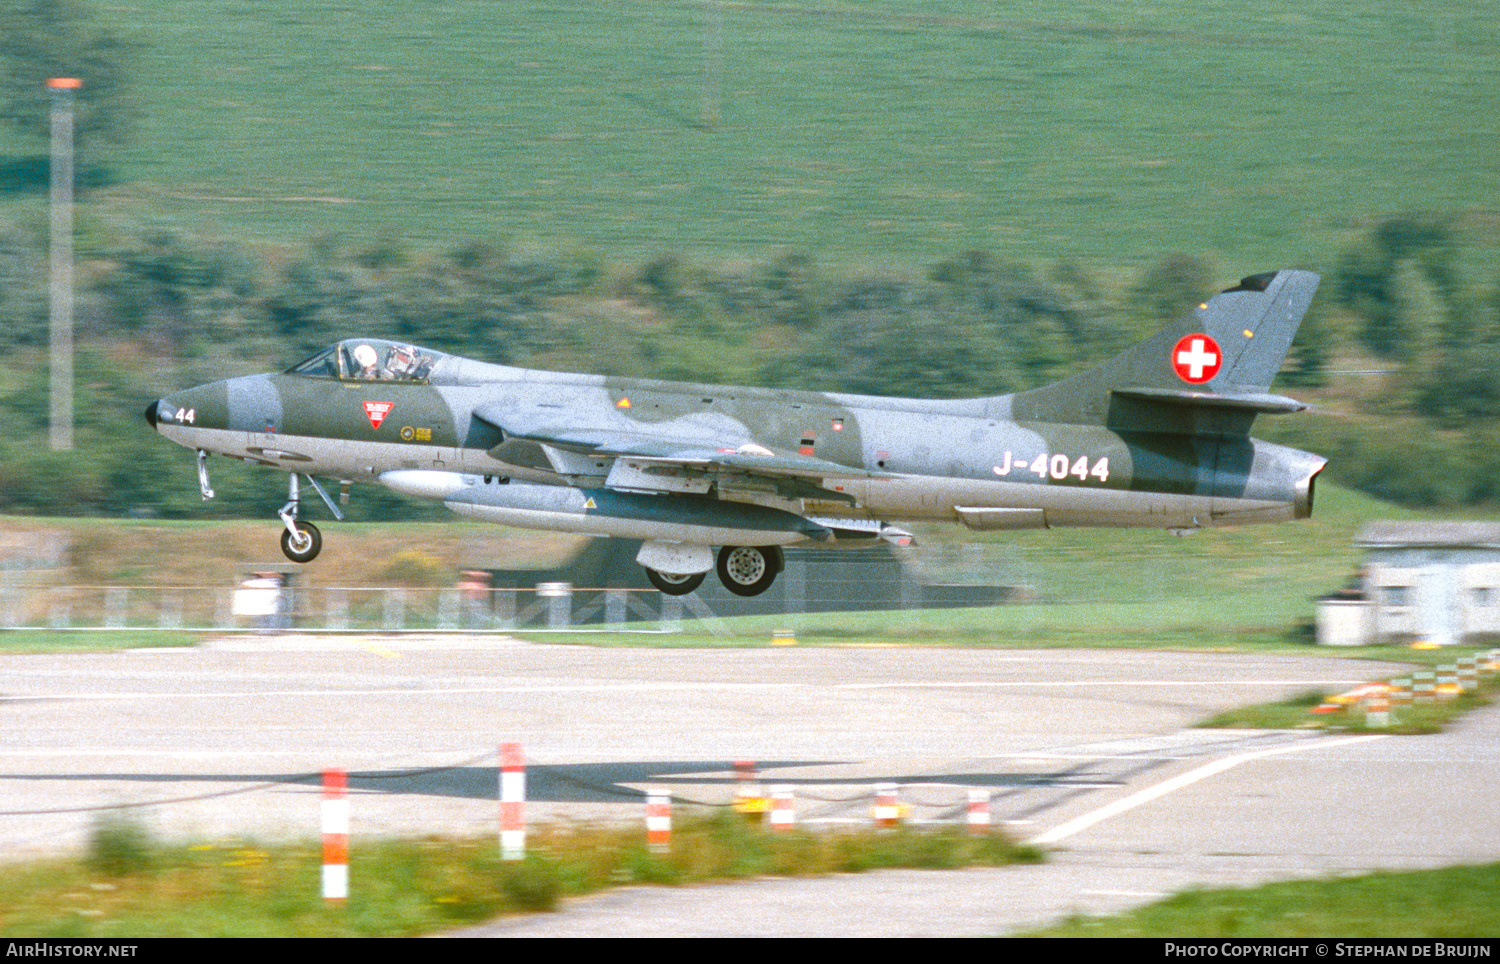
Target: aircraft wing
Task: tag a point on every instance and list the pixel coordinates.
(679, 455)
(648, 455)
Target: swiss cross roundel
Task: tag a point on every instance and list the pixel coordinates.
(1196, 358)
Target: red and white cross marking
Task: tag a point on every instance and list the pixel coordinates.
(1196, 358)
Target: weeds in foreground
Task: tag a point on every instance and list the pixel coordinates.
(130, 885)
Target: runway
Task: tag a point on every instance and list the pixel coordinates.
(1087, 750)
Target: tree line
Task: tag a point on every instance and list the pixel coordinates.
(159, 310)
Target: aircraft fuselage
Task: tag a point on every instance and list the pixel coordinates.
(1157, 436)
(928, 461)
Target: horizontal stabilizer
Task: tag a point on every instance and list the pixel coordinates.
(1262, 402)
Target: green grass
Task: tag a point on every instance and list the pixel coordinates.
(1166, 625)
(1455, 902)
(129, 886)
(93, 641)
(1219, 588)
(1251, 588)
(878, 130)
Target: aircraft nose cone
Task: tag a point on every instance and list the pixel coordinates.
(151, 412)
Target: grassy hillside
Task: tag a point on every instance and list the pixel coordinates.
(885, 129)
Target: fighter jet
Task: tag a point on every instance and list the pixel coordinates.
(710, 476)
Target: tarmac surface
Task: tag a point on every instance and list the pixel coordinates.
(1090, 753)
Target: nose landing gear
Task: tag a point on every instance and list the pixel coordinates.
(301, 542)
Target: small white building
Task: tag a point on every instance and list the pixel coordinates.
(1437, 582)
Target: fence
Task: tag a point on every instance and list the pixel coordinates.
(337, 609)
(813, 581)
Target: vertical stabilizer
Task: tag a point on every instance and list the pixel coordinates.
(1208, 372)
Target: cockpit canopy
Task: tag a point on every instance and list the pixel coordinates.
(370, 359)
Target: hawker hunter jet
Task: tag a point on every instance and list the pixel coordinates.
(713, 476)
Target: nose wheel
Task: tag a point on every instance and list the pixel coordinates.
(301, 541)
(303, 545)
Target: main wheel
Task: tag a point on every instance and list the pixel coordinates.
(306, 546)
(748, 570)
(673, 584)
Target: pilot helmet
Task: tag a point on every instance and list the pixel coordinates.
(366, 356)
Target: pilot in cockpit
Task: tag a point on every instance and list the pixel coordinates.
(368, 361)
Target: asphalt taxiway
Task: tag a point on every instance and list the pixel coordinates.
(1090, 752)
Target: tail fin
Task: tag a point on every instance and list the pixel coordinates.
(1207, 373)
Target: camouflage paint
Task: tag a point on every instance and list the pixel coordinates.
(1157, 436)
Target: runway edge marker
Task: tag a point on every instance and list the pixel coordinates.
(659, 820)
(512, 802)
(335, 813)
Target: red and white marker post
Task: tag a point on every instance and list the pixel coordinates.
(783, 810)
(748, 798)
(335, 835)
(979, 811)
(658, 820)
(887, 811)
(512, 802)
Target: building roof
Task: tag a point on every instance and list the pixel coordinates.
(1433, 535)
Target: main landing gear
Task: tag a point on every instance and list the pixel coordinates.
(744, 571)
(301, 542)
(749, 570)
(673, 584)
